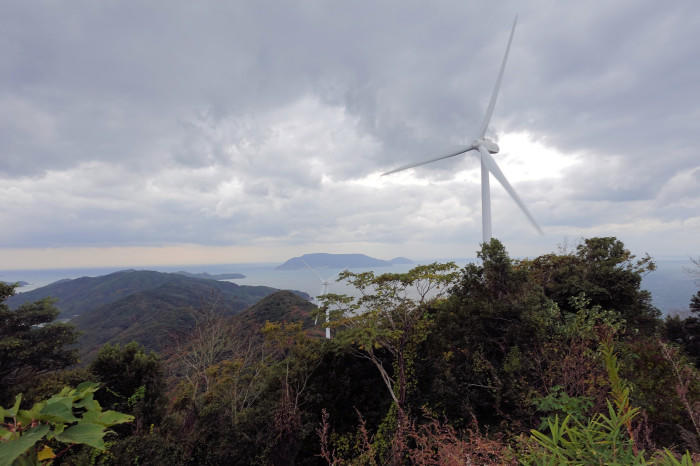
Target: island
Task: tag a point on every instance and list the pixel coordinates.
(216, 276)
(339, 261)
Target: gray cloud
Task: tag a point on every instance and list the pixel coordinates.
(230, 123)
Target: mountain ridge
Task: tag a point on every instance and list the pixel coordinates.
(151, 308)
(156, 317)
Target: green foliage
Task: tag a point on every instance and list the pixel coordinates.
(557, 403)
(70, 417)
(686, 334)
(133, 382)
(295, 357)
(391, 315)
(351, 390)
(149, 448)
(607, 273)
(30, 342)
(478, 354)
(416, 360)
(695, 303)
(602, 439)
(146, 307)
(586, 321)
(281, 306)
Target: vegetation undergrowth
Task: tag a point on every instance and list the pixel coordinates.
(560, 359)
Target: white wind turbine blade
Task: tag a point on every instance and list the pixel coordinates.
(324, 283)
(324, 290)
(493, 168)
(494, 95)
(412, 165)
(328, 311)
(312, 269)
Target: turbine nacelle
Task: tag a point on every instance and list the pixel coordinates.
(490, 146)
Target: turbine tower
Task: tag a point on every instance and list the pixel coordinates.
(324, 290)
(485, 147)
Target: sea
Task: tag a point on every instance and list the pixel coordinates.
(671, 285)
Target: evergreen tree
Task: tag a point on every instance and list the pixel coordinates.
(31, 343)
(695, 304)
(133, 381)
(607, 273)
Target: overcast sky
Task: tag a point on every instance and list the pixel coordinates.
(200, 132)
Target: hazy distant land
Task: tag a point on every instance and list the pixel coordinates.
(339, 261)
(216, 276)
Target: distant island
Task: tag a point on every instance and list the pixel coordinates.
(216, 276)
(339, 261)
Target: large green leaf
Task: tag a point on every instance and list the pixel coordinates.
(12, 412)
(59, 411)
(65, 391)
(26, 416)
(88, 402)
(10, 450)
(86, 388)
(106, 418)
(58, 428)
(88, 434)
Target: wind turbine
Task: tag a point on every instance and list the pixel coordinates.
(485, 148)
(324, 290)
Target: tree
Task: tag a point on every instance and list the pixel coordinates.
(695, 304)
(607, 273)
(482, 340)
(212, 340)
(390, 318)
(390, 315)
(294, 358)
(686, 332)
(30, 342)
(695, 299)
(133, 382)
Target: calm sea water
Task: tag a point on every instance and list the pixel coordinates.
(671, 285)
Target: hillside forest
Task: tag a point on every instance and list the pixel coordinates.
(559, 359)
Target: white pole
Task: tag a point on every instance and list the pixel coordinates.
(328, 312)
(485, 203)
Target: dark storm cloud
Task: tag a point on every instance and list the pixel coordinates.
(116, 81)
(222, 122)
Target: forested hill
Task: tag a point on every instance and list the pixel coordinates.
(281, 306)
(151, 308)
(83, 295)
(80, 295)
(157, 317)
(339, 261)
